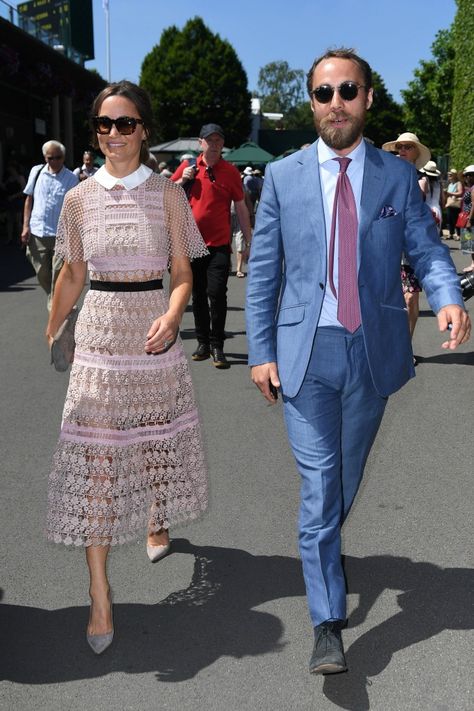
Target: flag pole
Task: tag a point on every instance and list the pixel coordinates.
(105, 4)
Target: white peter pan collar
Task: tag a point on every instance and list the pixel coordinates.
(128, 182)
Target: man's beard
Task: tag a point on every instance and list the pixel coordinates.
(340, 138)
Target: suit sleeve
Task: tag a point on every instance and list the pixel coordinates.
(264, 277)
(429, 258)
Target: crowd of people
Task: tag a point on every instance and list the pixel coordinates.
(129, 459)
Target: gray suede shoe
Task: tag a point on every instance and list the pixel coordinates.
(99, 642)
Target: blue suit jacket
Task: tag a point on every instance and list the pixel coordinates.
(288, 266)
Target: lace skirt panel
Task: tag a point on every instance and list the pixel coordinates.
(130, 454)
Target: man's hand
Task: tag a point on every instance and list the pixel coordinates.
(189, 173)
(262, 375)
(25, 235)
(458, 319)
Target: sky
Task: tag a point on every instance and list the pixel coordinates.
(393, 36)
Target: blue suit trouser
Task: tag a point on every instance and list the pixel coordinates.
(332, 424)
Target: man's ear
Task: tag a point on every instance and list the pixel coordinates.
(370, 99)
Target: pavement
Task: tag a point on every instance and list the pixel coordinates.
(221, 624)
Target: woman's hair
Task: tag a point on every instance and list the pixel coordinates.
(141, 101)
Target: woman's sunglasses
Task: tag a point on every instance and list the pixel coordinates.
(348, 91)
(125, 125)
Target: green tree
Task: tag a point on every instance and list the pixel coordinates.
(385, 118)
(462, 121)
(194, 77)
(280, 88)
(428, 99)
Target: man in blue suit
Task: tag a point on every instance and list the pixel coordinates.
(335, 379)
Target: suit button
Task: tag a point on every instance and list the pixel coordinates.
(321, 285)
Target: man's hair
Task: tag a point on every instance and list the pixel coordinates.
(138, 97)
(53, 144)
(341, 53)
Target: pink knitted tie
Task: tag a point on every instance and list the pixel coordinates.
(348, 310)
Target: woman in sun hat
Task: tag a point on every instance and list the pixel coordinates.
(434, 196)
(453, 193)
(409, 148)
(468, 206)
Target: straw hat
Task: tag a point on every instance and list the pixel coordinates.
(424, 153)
(431, 169)
(453, 171)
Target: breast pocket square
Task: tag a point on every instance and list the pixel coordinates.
(387, 211)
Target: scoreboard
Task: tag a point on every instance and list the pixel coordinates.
(69, 20)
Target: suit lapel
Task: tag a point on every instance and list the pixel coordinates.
(372, 185)
(311, 184)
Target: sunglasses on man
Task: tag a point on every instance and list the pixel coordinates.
(348, 91)
(125, 125)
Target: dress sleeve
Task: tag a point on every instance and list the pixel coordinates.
(68, 244)
(184, 238)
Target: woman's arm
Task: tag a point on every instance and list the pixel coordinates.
(66, 294)
(165, 328)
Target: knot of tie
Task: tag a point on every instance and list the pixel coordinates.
(343, 163)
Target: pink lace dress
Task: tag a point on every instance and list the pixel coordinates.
(130, 454)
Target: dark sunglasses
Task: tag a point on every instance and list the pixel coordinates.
(59, 157)
(125, 125)
(348, 91)
(210, 174)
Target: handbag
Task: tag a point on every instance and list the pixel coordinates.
(453, 202)
(64, 343)
(462, 219)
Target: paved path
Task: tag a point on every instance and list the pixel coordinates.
(221, 624)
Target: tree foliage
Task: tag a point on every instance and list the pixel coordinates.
(195, 77)
(462, 121)
(384, 120)
(280, 88)
(428, 99)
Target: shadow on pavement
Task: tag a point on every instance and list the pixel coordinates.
(449, 358)
(175, 638)
(192, 628)
(14, 267)
(434, 600)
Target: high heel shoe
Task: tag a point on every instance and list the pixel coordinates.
(156, 552)
(99, 642)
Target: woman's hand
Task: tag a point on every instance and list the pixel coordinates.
(162, 334)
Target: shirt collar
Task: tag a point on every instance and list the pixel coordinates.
(325, 153)
(129, 182)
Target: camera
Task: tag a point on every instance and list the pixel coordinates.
(467, 285)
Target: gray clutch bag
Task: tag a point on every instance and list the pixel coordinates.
(64, 343)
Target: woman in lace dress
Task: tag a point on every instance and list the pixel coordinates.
(129, 457)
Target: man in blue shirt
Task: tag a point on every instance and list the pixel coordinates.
(45, 190)
(326, 318)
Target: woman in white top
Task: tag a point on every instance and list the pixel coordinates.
(129, 459)
(434, 195)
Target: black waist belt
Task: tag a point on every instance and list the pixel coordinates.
(127, 285)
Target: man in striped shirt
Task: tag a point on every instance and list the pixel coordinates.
(45, 190)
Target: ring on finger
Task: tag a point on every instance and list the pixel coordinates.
(166, 344)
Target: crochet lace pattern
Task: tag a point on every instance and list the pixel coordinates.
(130, 455)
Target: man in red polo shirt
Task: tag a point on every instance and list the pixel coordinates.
(212, 184)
